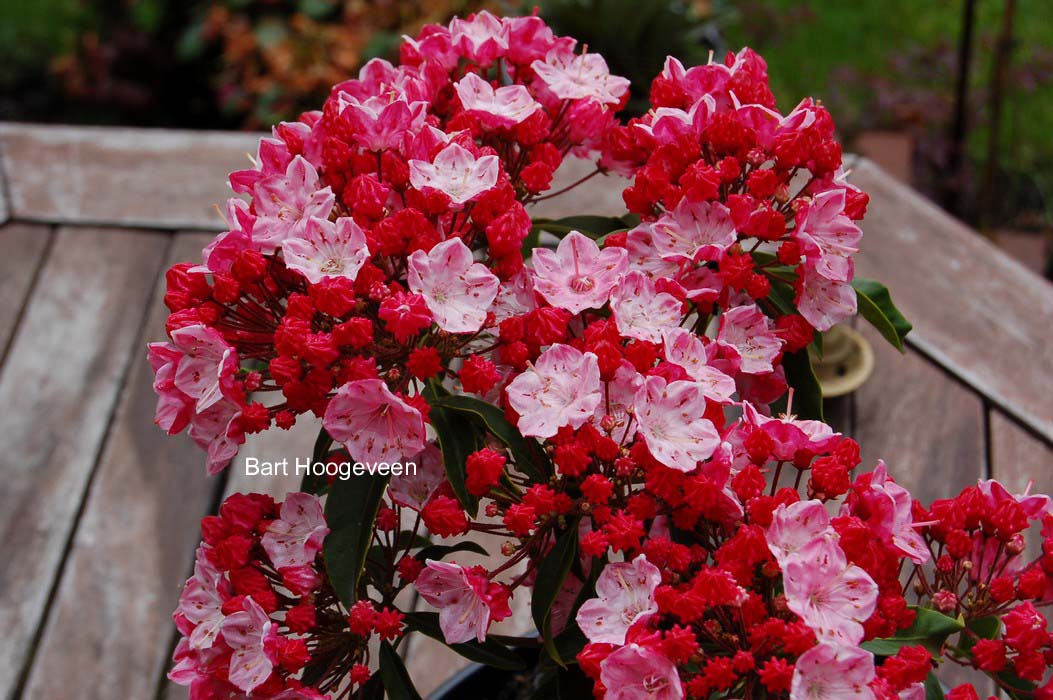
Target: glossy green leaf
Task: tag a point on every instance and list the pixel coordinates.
(393, 674)
(487, 652)
(875, 305)
(439, 551)
(458, 438)
(592, 226)
(807, 394)
(318, 483)
(930, 629)
(350, 512)
(529, 458)
(551, 575)
(933, 689)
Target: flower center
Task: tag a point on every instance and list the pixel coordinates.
(582, 284)
(331, 267)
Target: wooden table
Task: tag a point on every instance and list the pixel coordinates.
(99, 509)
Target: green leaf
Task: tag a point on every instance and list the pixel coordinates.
(933, 689)
(488, 652)
(318, 483)
(807, 394)
(458, 438)
(529, 458)
(930, 629)
(550, 577)
(781, 296)
(393, 674)
(594, 227)
(351, 511)
(875, 305)
(439, 551)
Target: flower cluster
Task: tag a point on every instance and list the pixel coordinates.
(350, 272)
(611, 397)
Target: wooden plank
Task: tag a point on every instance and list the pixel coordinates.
(155, 178)
(60, 384)
(1019, 457)
(132, 548)
(600, 195)
(924, 424)
(24, 246)
(976, 312)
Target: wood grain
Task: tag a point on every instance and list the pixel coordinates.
(976, 312)
(924, 424)
(60, 384)
(156, 178)
(132, 548)
(24, 246)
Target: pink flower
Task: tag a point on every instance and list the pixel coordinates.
(467, 600)
(382, 121)
(625, 596)
(504, 107)
(641, 311)
(174, 408)
(671, 420)
(833, 597)
(685, 349)
(414, 490)
(578, 275)
(797, 530)
(458, 290)
(829, 238)
(215, 430)
(405, 314)
(456, 173)
(296, 536)
(220, 252)
(251, 634)
(887, 509)
(640, 246)
(830, 671)
(1035, 506)
(580, 77)
(284, 203)
(612, 413)
(375, 425)
(201, 602)
(207, 366)
(791, 435)
(746, 330)
(694, 232)
(823, 302)
(324, 250)
(636, 672)
(562, 388)
(481, 38)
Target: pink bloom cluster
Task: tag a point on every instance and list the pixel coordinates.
(604, 404)
(380, 236)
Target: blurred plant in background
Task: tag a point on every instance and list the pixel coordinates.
(885, 66)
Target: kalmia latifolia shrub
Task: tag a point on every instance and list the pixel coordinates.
(611, 399)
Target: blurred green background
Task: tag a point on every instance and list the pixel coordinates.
(887, 69)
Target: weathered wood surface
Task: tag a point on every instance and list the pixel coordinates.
(24, 246)
(132, 547)
(59, 385)
(978, 313)
(157, 178)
